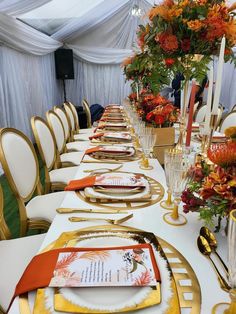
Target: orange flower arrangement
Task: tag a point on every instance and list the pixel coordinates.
(212, 191)
(177, 31)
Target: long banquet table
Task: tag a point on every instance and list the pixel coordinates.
(183, 238)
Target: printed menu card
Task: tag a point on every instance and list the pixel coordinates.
(121, 266)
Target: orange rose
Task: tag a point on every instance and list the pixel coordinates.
(195, 25)
(168, 42)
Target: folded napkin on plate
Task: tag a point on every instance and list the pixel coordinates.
(98, 135)
(81, 183)
(112, 125)
(217, 136)
(114, 180)
(36, 275)
(114, 151)
(122, 136)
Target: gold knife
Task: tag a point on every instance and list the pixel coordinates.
(90, 210)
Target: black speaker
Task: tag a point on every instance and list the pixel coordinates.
(64, 64)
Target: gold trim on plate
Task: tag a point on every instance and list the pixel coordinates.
(157, 193)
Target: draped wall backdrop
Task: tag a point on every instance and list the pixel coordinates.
(100, 39)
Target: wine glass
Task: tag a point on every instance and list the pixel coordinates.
(230, 308)
(168, 155)
(146, 140)
(180, 175)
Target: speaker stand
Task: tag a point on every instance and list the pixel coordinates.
(64, 90)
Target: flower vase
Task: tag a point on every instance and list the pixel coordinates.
(165, 139)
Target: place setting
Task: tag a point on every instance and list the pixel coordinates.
(108, 270)
(118, 190)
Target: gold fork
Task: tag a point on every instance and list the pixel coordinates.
(102, 170)
(111, 221)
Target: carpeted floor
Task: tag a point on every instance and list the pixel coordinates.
(11, 212)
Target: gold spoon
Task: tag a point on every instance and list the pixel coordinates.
(210, 237)
(205, 249)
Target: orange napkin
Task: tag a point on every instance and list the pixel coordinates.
(36, 275)
(80, 184)
(98, 135)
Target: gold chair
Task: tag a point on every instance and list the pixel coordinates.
(15, 256)
(233, 108)
(201, 112)
(65, 122)
(57, 128)
(228, 121)
(88, 113)
(76, 134)
(56, 179)
(20, 164)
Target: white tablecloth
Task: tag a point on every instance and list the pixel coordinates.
(150, 219)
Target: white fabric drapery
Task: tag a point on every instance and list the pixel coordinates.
(99, 48)
(100, 55)
(19, 36)
(16, 7)
(27, 88)
(97, 83)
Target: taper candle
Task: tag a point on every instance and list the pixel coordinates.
(219, 77)
(209, 100)
(190, 114)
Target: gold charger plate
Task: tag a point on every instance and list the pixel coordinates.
(137, 156)
(187, 293)
(157, 193)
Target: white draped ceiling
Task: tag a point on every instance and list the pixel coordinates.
(101, 34)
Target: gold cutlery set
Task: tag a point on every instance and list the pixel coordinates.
(207, 244)
(95, 211)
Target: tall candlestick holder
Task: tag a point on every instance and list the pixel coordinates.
(182, 119)
(213, 126)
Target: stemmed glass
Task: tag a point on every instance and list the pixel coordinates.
(180, 174)
(147, 141)
(168, 155)
(230, 308)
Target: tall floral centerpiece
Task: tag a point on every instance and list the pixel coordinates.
(182, 36)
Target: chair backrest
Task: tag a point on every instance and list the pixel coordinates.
(220, 112)
(88, 113)
(75, 114)
(229, 120)
(56, 127)
(61, 113)
(195, 107)
(19, 162)
(45, 141)
(233, 108)
(70, 116)
(4, 231)
(200, 114)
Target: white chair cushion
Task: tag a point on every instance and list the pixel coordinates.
(87, 131)
(15, 256)
(78, 146)
(83, 137)
(75, 157)
(63, 175)
(44, 206)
